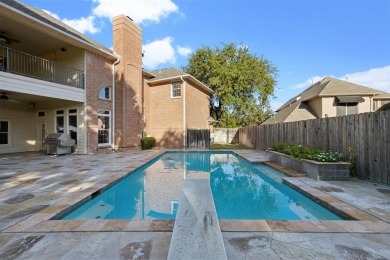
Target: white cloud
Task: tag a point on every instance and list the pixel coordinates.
(276, 104)
(184, 51)
(52, 14)
(376, 78)
(83, 24)
(140, 11)
(158, 52)
(307, 83)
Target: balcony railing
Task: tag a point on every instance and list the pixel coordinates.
(24, 64)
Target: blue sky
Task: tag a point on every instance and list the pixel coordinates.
(306, 40)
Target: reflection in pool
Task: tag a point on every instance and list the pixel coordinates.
(240, 191)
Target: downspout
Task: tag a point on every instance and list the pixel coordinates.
(113, 103)
(372, 104)
(184, 113)
(86, 131)
(143, 106)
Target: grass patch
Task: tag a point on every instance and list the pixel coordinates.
(227, 146)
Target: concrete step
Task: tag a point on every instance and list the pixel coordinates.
(196, 234)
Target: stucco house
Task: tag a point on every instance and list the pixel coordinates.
(55, 79)
(330, 97)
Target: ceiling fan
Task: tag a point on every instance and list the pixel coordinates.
(4, 98)
(4, 38)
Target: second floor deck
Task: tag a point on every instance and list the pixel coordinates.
(24, 64)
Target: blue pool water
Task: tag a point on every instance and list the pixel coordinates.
(240, 191)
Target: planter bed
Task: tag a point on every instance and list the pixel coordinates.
(323, 171)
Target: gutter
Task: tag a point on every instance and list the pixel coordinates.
(113, 102)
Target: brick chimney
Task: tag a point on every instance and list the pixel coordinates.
(127, 43)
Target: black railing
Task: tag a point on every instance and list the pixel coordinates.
(24, 64)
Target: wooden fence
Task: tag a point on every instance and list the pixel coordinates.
(198, 138)
(367, 134)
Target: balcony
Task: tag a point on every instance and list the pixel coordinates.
(24, 64)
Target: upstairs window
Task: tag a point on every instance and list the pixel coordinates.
(344, 109)
(105, 93)
(176, 90)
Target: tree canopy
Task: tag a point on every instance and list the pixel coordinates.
(242, 83)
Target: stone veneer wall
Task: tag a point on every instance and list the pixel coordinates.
(323, 171)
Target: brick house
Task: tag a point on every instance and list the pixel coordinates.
(55, 79)
(174, 101)
(330, 97)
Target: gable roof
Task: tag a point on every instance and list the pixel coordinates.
(334, 87)
(168, 73)
(50, 21)
(297, 108)
(172, 74)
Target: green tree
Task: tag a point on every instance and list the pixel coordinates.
(243, 83)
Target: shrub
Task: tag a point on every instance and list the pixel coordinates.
(352, 161)
(301, 152)
(148, 142)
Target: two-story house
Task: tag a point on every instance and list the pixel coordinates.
(55, 79)
(174, 101)
(330, 97)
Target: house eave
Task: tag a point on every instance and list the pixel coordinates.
(35, 23)
(205, 88)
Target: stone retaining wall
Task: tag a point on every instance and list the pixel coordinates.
(324, 171)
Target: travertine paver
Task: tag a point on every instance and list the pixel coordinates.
(34, 187)
(266, 245)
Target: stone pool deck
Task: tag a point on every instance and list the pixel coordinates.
(35, 187)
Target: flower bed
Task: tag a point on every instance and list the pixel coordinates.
(326, 171)
(301, 152)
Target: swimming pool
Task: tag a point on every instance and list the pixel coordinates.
(240, 191)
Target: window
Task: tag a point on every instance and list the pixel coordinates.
(4, 132)
(3, 63)
(41, 114)
(60, 121)
(176, 90)
(104, 127)
(66, 122)
(344, 109)
(72, 123)
(105, 93)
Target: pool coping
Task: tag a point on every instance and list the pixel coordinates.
(361, 221)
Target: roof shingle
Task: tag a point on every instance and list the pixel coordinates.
(167, 73)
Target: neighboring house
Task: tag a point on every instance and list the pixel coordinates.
(330, 97)
(55, 79)
(174, 101)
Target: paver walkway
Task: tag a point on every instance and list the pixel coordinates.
(34, 186)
